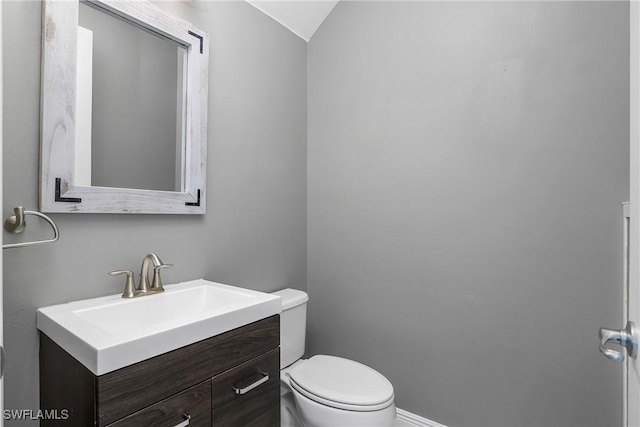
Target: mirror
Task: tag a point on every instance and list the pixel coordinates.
(124, 97)
(131, 82)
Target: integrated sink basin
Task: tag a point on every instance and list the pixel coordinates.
(170, 308)
(109, 333)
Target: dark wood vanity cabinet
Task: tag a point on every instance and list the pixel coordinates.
(208, 383)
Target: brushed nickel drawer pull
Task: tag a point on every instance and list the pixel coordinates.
(247, 389)
(185, 423)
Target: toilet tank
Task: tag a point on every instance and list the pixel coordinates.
(293, 325)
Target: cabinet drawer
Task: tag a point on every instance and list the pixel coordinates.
(134, 387)
(192, 405)
(257, 406)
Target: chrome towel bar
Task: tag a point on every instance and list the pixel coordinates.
(16, 224)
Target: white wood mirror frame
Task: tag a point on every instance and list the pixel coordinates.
(58, 192)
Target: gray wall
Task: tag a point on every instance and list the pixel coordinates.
(465, 171)
(254, 232)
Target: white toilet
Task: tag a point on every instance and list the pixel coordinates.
(328, 391)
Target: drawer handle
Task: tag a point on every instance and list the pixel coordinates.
(243, 390)
(184, 423)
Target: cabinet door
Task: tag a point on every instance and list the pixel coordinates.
(249, 394)
(191, 408)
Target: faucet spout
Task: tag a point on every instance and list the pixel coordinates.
(145, 285)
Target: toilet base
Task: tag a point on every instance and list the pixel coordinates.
(288, 410)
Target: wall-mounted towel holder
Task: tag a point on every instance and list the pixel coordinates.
(16, 224)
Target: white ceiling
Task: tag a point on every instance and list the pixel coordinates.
(302, 17)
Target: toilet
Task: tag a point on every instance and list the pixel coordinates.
(326, 391)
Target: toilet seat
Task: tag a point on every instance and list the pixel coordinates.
(342, 384)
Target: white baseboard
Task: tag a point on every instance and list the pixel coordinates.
(416, 420)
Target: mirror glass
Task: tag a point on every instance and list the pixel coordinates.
(130, 104)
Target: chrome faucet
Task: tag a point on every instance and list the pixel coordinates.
(144, 286)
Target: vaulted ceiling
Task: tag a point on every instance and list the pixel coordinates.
(302, 17)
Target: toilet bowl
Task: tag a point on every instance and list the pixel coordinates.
(333, 391)
(328, 391)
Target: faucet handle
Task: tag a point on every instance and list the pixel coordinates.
(156, 283)
(129, 284)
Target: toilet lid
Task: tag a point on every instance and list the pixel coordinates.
(342, 381)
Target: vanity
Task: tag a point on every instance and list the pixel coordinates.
(229, 378)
